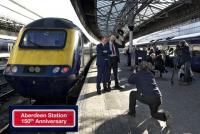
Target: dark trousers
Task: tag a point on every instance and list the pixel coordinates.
(152, 102)
(114, 66)
(102, 76)
(129, 59)
(187, 72)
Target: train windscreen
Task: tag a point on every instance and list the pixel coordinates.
(43, 39)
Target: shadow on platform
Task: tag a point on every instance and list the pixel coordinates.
(125, 124)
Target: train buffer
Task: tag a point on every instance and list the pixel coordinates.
(107, 113)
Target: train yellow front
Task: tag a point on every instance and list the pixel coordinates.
(45, 61)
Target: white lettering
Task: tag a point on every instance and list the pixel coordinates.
(35, 115)
(57, 115)
(51, 122)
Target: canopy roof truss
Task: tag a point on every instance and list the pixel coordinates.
(10, 25)
(118, 14)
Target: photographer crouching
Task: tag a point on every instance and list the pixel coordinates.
(147, 92)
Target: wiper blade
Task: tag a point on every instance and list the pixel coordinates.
(35, 44)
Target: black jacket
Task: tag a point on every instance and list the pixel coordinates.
(103, 53)
(145, 83)
(185, 55)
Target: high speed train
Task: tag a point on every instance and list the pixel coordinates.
(48, 58)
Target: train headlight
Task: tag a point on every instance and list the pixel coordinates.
(37, 69)
(56, 70)
(8, 69)
(31, 69)
(65, 70)
(14, 69)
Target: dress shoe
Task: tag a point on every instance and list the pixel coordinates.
(106, 90)
(99, 92)
(118, 87)
(131, 113)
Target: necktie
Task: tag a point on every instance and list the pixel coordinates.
(113, 49)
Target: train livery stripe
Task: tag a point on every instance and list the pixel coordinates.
(45, 56)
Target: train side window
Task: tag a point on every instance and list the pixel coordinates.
(196, 50)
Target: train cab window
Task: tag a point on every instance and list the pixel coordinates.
(43, 39)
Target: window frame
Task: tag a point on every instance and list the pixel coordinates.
(42, 47)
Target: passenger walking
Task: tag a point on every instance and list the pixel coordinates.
(147, 92)
(102, 63)
(185, 61)
(160, 64)
(114, 60)
(177, 53)
(169, 52)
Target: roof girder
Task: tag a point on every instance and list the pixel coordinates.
(142, 9)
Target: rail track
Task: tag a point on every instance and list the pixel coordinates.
(4, 130)
(7, 94)
(5, 90)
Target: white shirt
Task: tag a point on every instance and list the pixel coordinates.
(110, 45)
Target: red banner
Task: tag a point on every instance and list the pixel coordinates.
(43, 118)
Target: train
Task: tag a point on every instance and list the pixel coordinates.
(6, 43)
(48, 58)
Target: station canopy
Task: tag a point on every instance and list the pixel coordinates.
(16, 13)
(113, 15)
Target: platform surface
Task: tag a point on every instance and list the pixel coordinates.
(107, 113)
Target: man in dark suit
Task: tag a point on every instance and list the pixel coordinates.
(102, 63)
(114, 59)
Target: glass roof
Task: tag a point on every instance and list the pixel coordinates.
(21, 12)
(112, 14)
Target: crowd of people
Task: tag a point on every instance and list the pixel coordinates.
(148, 91)
(159, 59)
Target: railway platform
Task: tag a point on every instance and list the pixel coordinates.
(107, 113)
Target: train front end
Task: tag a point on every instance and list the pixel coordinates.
(40, 65)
